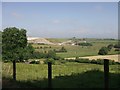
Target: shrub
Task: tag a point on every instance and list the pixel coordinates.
(110, 46)
(49, 60)
(117, 45)
(51, 54)
(60, 50)
(93, 61)
(84, 44)
(63, 61)
(81, 60)
(117, 49)
(35, 62)
(103, 51)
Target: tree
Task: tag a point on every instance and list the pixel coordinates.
(13, 42)
(63, 49)
(103, 51)
(51, 54)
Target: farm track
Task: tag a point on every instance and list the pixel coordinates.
(111, 57)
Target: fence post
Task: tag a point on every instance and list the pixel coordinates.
(14, 70)
(49, 75)
(106, 74)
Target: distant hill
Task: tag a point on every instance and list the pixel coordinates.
(38, 40)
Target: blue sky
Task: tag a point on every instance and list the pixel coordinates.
(63, 20)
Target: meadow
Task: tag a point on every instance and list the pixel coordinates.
(64, 75)
(78, 51)
(68, 75)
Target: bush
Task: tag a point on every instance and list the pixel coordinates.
(63, 61)
(35, 62)
(110, 46)
(117, 45)
(103, 51)
(81, 60)
(51, 54)
(60, 50)
(84, 44)
(49, 60)
(117, 49)
(93, 61)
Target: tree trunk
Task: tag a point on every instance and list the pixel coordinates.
(14, 70)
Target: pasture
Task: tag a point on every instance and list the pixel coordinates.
(69, 75)
(78, 51)
(64, 75)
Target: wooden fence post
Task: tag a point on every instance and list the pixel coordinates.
(49, 75)
(14, 70)
(106, 74)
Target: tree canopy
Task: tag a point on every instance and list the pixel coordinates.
(103, 51)
(14, 40)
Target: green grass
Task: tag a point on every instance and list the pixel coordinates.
(57, 40)
(75, 51)
(64, 75)
(68, 75)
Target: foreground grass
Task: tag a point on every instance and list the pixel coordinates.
(69, 75)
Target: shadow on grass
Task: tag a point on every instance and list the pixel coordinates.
(88, 79)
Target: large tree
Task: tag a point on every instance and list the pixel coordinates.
(14, 41)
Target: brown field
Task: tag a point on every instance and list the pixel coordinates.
(111, 57)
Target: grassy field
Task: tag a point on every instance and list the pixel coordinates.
(57, 40)
(75, 51)
(69, 75)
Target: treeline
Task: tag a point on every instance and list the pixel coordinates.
(49, 54)
(105, 50)
(84, 44)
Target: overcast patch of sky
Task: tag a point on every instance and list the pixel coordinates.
(63, 19)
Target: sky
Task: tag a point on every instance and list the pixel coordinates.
(63, 19)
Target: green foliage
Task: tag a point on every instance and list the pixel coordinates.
(117, 49)
(103, 51)
(51, 54)
(110, 46)
(117, 45)
(60, 50)
(80, 60)
(84, 44)
(63, 49)
(70, 75)
(13, 43)
(98, 61)
(35, 62)
(49, 60)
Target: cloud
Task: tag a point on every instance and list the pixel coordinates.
(16, 15)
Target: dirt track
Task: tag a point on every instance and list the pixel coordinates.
(111, 57)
